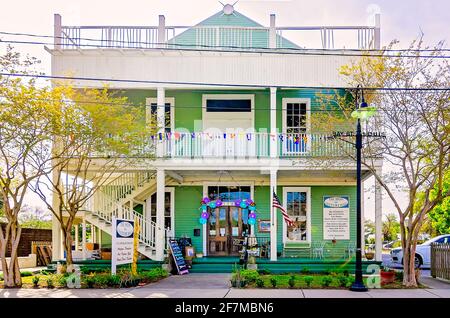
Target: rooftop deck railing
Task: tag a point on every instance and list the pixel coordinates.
(216, 37)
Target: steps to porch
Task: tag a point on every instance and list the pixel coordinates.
(282, 265)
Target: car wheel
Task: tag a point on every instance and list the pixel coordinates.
(417, 261)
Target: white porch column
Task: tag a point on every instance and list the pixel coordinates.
(160, 115)
(56, 239)
(378, 220)
(160, 232)
(83, 237)
(273, 217)
(273, 123)
(77, 241)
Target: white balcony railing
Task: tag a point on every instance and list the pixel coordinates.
(246, 145)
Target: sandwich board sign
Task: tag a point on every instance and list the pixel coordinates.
(122, 242)
(178, 257)
(336, 218)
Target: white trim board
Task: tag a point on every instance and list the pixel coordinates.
(228, 117)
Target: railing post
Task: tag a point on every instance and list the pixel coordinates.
(160, 115)
(272, 33)
(377, 32)
(57, 30)
(273, 138)
(161, 31)
(273, 216)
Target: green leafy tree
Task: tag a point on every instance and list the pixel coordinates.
(440, 215)
(391, 227)
(416, 122)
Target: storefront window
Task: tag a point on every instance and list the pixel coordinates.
(229, 193)
(296, 208)
(167, 217)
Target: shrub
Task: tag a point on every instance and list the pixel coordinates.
(291, 281)
(62, 281)
(101, 280)
(1, 276)
(345, 273)
(326, 281)
(26, 274)
(309, 280)
(89, 281)
(259, 283)
(273, 282)
(249, 275)
(343, 280)
(35, 281)
(50, 283)
(45, 272)
(264, 272)
(399, 275)
(304, 270)
(113, 280)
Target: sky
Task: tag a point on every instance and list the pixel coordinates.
(401, 20)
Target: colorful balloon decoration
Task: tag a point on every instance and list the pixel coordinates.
(212, 204)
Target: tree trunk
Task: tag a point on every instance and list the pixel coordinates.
(409, 271)
(67, 243)
(11, 271)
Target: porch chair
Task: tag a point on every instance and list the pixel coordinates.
(317, 249)
(350, 251)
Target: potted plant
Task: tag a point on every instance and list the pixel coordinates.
(387, 275)
(369, 255)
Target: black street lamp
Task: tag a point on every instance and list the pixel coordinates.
(362, 111)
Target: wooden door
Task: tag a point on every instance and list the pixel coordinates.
(225, 231)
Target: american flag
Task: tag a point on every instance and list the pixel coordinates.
(276, 204)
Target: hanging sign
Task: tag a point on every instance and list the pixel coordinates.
(178, 257)
(336, 218)
(122, 243)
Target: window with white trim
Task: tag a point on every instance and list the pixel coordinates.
(296, 208)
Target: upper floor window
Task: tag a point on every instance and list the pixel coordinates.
(228, 105)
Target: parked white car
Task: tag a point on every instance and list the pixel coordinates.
(423, 252)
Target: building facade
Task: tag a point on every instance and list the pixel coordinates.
(233, 102)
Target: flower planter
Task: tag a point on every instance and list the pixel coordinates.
(387, 277)
(370, 255)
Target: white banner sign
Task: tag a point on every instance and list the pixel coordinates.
(336, 218)
(122, 242)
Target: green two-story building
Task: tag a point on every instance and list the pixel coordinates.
(234, 102)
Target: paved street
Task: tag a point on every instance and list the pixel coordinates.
(217, 286)
(386, 258)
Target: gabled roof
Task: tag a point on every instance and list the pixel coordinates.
(236, 32)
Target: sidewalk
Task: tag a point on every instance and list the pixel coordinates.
(216, 286)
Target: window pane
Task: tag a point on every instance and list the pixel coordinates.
(228, 105)
(296, 208)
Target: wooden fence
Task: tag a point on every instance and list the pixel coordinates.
(440, 260)
(43, 251)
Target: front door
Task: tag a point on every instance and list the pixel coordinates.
(225, 231)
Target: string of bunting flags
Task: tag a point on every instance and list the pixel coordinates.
(211, 136)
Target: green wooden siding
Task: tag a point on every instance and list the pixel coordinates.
(234, 37)
(188, 104)
(187, 200)
(187, 213)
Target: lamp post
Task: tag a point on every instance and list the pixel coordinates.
(362, 111)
